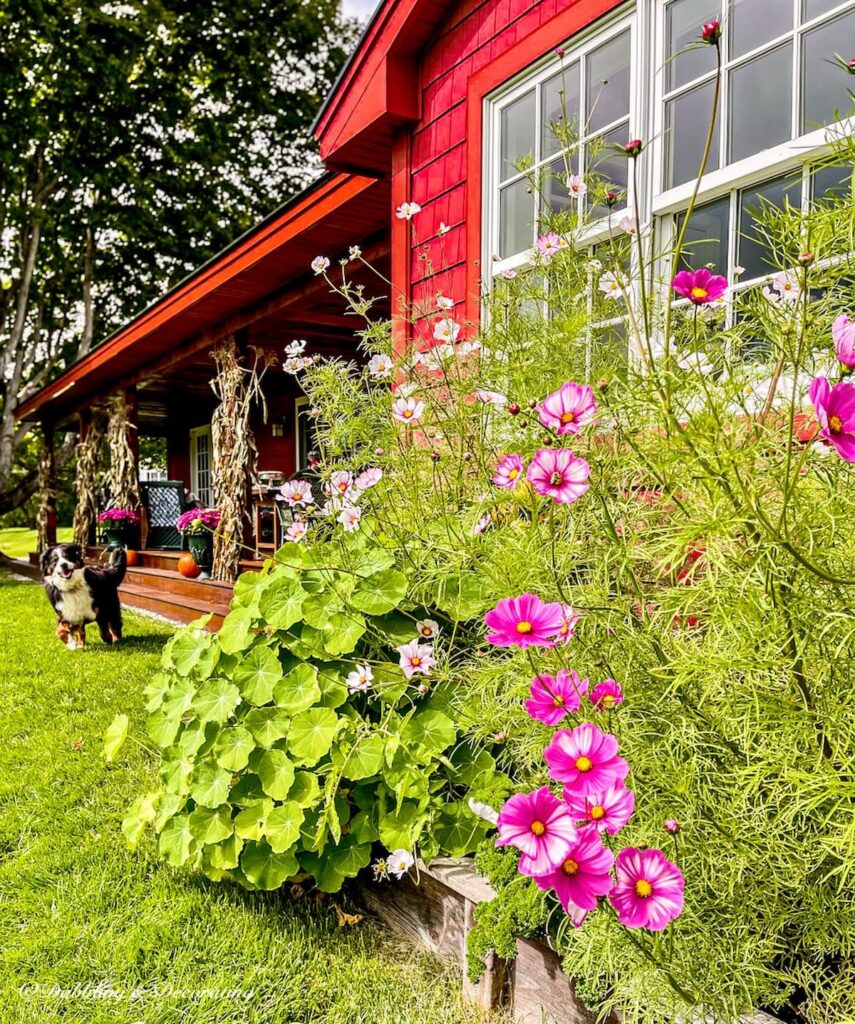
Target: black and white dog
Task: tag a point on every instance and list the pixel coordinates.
(82, 593)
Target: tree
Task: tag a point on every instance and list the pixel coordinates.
(136, 139)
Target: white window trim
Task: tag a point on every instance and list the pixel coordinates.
(301, 406)
(195, 434)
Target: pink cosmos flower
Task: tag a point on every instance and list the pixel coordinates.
(699, 286)
(671, 825)
(341, 482)
(548, 245)
(349, 517)
(648, 892)
(368, 478)
(568, 626)
(559, 474)
(540, 827)
(295, 493)
(843, 332)
(296, 531)
(585, 759)
(608, 811)
(416, 658)
(835, 410)
(583, 876)
(606, 695)
(553, 696)
(408, 410)
(524, 621)
(509, 472)
(569, 408)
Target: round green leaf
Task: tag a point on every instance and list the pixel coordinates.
(210, 785)
(225, 855)
(281, 602)
(233, 747)
(251, 821)
(257, 674)
(400, 829)
(276, 773)
(298, 690)
(265, 868)
(176, 840)
(343, 632)
(234, 633)
(432, 731)
(115, 736)
(458, 830)
(350, 856)
(215, 700)
(139, 814)
(305, 790)
(364, 759)
(267, 725)
(163, 727)
(282, 828)
(211, 824)
(311, 734)
(380, 593)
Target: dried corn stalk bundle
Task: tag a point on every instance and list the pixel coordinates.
(46, 491)
(121, 475)
(86, 481)
(235, 455)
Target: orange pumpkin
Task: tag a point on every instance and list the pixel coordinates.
(132, 557)
(187, 566)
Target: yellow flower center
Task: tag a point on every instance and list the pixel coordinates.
(558, 701)
(643, 888)
(407, 413)
(568, 417)
(415, 662)
(584, 764)
(835, 424)
(524, 627)
(513, 474)
(699, 293)
(609, 700)
(342, 487)
(538, 828)
(556, 479)
(426, 631)
(569, 867)
(597, 812)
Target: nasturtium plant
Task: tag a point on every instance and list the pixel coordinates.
(277, 761)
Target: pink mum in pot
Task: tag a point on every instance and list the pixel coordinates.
(195, 520)
(118, 516)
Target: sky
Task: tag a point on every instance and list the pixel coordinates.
(362, 9)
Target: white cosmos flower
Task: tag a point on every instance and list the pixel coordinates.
(349, 518)
(491, 397)
(296, 531)
(443, 302)
(368, 478)
(434, 357)
(427, 629)
(380, 868)
(406, 211)
(416, 658)
(627, 224)
(737, 270)
(576, 186)
(446, 330)
(484, 811)
(296, 347)
(443, 229)
(593, 266)
(469, 348)
(610, 285)
(293, 364)
(360, 678)
(320, 264)
(354, 252)
(400, 862)
(340, 482)
(786, 284)
(408, 410)
(296, 493)
(483, 523)
(380, 366)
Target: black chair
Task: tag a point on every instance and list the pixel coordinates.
(164, 501)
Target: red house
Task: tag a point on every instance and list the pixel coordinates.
(436, 107)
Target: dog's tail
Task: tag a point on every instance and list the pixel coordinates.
(118, 565)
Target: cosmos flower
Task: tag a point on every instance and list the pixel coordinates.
(509, 472)
(380, 366)
(443, 229)
(446, 330)
(576, 186)
(320, 264)
(406, 211)
(568, 409)
(671, 825)
(340, 482)
(416, 658)
(296, 531)
(553, 696)
(548, 245)
(568, 625)
(296, 493)
(524, 621)
(593, 266)
(607, 812)
(368, 478)
(699, 286)
(485, 811)
(408, 410)
(585, 759)
(296, 347)
(606, 695)
(444, 303)
(400, 862)
(491, 397)
(539, 825)
(559, 474)
(648, 891)
(293, 364)
(786, 284)
(428, 629)
(360, 678)
(584, 875)
(835, 411)
(349, 518)
(843, 332)
(483, 523)
(612, 286)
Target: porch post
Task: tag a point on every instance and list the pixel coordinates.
(46, 516)
(86, 480)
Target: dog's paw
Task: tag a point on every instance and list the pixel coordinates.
(72, 644)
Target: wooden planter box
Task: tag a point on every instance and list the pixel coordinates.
(438, 912)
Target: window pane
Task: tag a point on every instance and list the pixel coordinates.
(559, 104)
(517, 133)
(553, 188)
(813, 8)
(608, 83)
(609, 347)
(686, 122)
(611, 167)
(516, 218)
(706, 237)
(753, 250)
(760, 102)
(753, 23)
(825, 86)
(832, 182)
(683, 25)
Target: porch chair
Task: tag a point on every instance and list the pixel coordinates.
(163, 501)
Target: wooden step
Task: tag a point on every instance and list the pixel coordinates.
(175, 607)
(173, 582)
(161, 558)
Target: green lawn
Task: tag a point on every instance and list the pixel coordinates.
(19, 541)
(90, 932)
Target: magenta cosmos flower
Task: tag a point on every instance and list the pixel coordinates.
(568, 626)
(843, 332)
(608, 811)
(648, 892)
(553, 696)
(585, 759)
(606, 695)
(568, 409)
(559, 474)
(509, 472)
(699, 286)
(524, 621)
(539, 825)
(835, 410)
(583, 876)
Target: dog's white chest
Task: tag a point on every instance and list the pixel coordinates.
(75, 606)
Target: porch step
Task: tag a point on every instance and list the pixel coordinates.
(170, 580)
(176, 607)
(165, 559)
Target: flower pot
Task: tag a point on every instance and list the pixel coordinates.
(114, 536)
(201, 547)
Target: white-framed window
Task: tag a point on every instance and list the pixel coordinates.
(305, 434)
(201, 460)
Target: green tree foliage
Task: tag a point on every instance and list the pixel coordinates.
(136, 139)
